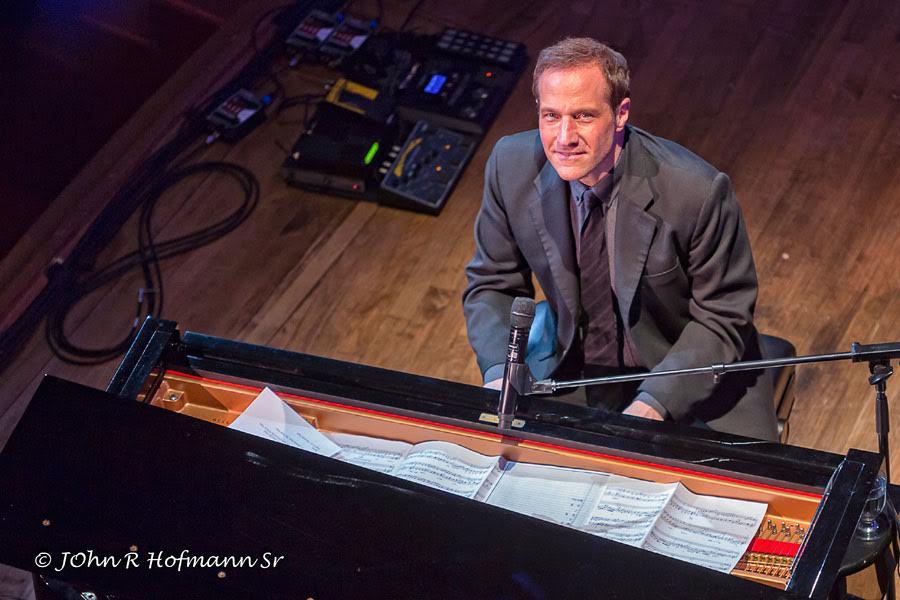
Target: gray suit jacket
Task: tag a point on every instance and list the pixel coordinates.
(682, 269)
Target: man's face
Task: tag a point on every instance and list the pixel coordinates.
(578, 128)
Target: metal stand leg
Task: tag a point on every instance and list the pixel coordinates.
(880, 371)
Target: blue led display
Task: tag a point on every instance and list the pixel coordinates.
(435, 84)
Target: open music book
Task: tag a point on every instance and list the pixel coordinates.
(665, 518)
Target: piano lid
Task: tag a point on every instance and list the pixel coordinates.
(87, 472)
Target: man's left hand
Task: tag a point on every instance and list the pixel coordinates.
(642, 409)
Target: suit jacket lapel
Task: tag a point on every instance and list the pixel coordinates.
(549, 209)
(635, 227)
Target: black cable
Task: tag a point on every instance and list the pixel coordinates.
(409, 15)
(148, 257)
(301, 100)
(273, 12)
(69, 280)
(380, 6)
(277, 92)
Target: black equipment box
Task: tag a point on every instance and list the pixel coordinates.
(339, 153)
(463, 82)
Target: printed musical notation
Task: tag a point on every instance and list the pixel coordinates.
(372, 453)
(705, 530)
(448, 467)
(665, 518)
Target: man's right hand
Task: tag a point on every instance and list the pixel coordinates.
(494, 384)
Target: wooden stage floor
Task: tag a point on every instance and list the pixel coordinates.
(799, 102)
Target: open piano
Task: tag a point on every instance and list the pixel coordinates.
(148, 467)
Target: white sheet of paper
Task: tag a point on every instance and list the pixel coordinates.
(447, 467)
(664, 518)
(369, 452)
(627, 509)
(269, 417)
(546, 492)
(705, 530)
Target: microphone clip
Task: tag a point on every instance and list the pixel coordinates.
(520, 378)
(517, 381)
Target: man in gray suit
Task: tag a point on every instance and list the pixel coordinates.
(638, 244)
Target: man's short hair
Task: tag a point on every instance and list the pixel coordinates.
(579, 52)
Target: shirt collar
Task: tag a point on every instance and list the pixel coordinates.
(605, 186)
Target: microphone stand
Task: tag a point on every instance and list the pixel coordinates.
(877, 355)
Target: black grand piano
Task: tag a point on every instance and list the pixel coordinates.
(147, 469)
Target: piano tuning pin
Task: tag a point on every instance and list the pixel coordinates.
(789, 569)
(757, 562)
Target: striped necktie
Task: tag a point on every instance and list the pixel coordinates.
(599, 320)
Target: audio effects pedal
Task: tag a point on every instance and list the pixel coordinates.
(425, 169)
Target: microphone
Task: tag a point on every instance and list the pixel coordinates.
(515, 372)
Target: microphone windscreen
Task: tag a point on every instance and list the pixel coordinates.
(522, 313)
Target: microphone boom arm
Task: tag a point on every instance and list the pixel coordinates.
(858, 353)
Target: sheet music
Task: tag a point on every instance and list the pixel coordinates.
(447, 467)
(665, 518)
(627, 509)
(269, 417)
(373, 453)
(546, 492)
(705, 530)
